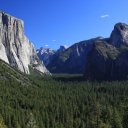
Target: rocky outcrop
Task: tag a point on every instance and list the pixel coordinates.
(62, 48)
(119, 35)
(15, 48)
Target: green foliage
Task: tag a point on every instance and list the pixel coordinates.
(2, 124)
(116, 120)
(125, 119)
(60, 101)
(31, 122)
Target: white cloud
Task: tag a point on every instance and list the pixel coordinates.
(105, 16)
(46, 45)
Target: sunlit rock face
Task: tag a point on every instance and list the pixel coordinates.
(15, 47)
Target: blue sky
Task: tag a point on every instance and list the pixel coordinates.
(51, 23)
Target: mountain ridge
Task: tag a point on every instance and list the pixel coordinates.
(107, 53)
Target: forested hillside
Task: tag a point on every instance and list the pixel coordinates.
(60, 101)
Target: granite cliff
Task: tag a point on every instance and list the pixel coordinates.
(108, 60)
(15, 47)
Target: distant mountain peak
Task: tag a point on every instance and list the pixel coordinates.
(45, 54)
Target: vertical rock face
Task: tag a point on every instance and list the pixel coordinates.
(102, 62)
(108, 59)
(15, 48)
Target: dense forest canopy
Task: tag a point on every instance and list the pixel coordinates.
(64, 101)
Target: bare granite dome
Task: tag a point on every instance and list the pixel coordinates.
(119, 35)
